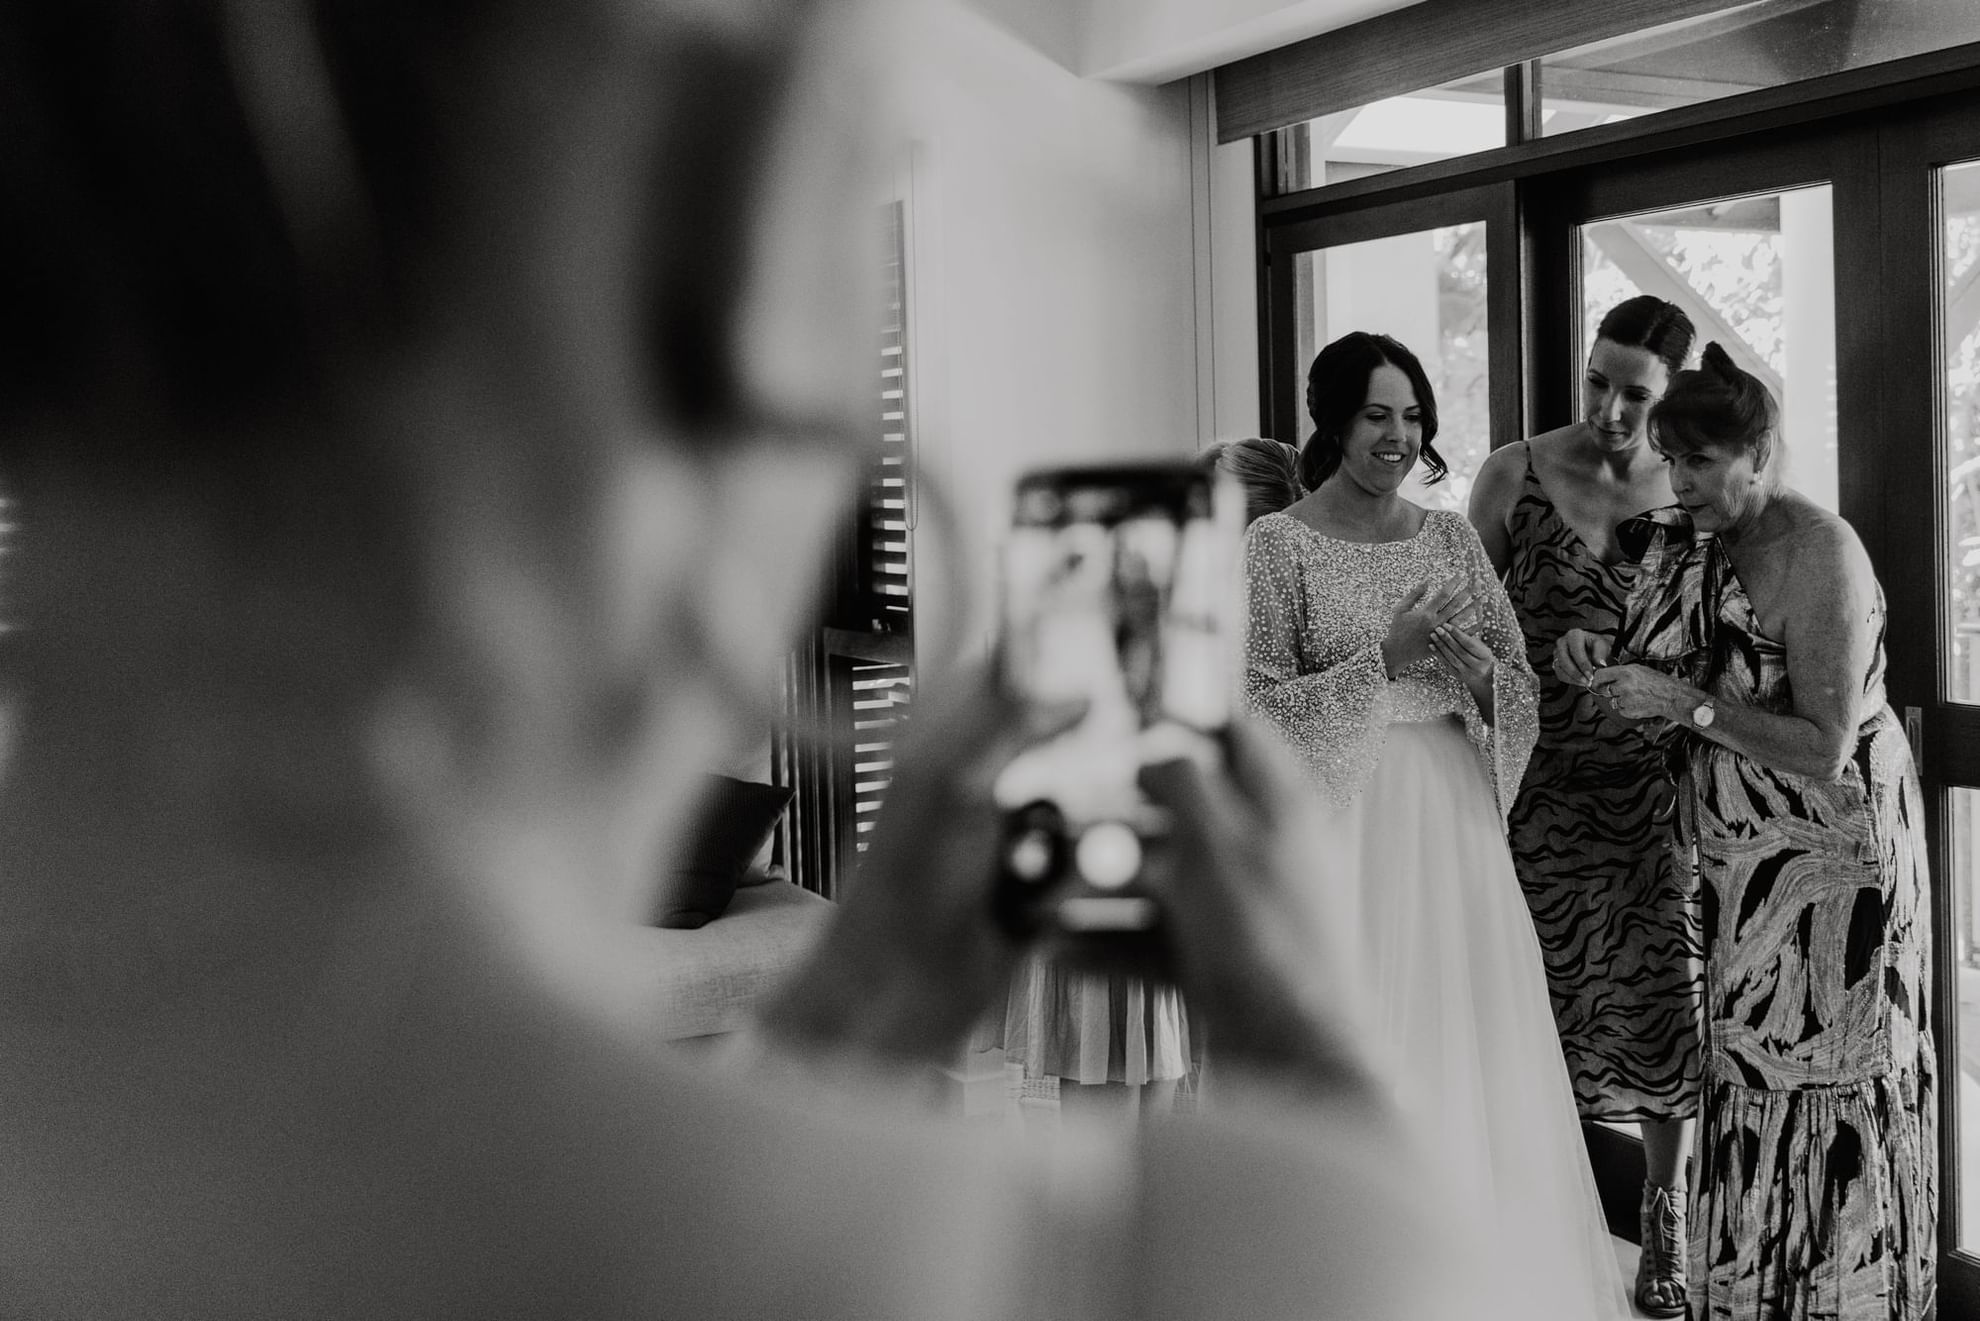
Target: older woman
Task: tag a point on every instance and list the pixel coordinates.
(1754, 634)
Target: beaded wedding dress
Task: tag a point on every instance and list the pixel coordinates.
(1412, 783)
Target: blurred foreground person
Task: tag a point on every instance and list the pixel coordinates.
(390, 472)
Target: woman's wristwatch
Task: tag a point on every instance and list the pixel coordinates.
(1703, 714)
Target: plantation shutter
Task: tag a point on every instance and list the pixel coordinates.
(849, 688)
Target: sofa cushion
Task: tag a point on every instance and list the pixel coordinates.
(711, 979)
(729, 830)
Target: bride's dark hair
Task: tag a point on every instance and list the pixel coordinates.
(1337, 387)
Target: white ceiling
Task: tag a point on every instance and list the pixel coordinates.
(1158, 41)
(1154, 41)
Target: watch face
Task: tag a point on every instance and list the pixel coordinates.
(1702, 716)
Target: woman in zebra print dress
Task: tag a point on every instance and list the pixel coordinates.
(1753, 639)
(1589, 830)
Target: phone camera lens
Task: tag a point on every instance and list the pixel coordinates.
(1108, 855)
(1029, 858)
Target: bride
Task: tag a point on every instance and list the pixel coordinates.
(1382, 647)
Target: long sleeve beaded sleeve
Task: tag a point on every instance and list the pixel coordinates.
(1506, 744)
(1317, 612)
(1331, 704)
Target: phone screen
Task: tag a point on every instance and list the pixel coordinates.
(1120, 595)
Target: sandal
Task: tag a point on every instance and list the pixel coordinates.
(1660, 1282)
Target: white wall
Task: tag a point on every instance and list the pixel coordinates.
(1053, 293)
(1232, 204)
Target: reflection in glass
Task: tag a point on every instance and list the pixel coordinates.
(1740, 49)
(1455, 119)
(1427, 289)
(1959, 294)
(1757, 274)
(1963, 835)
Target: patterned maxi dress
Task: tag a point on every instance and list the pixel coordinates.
(1817, 1188)
(1590, 835)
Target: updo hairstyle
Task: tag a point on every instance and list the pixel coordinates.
(1650, 323)
(1268, 470)
(1717, 405)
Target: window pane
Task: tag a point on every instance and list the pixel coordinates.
(1757, 274)
(1963, 832)
(1453, 120)
(1741, 49)
(1428, 290)
(1959, 294)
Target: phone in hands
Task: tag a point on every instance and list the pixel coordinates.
(1120, 607)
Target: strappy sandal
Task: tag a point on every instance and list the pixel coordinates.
(1660, 1282)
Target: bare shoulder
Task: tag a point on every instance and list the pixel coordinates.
(1549, 444)
(1496, 487)
(1820, 567)
(1824, 547)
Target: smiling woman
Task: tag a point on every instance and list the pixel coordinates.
(1382, 648)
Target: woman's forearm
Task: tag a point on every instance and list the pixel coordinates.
(1778, 741)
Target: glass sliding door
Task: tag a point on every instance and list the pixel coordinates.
(1428, 289)
(1928, 468)
(1959, 336)
(1955, 473)
(1430, 277)
(1756, 274)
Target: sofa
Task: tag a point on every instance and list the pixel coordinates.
(708, 980)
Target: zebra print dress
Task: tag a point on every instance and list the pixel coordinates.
(1611, 903)
(1816, 1195)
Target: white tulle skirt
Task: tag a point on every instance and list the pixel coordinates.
(1453, 992)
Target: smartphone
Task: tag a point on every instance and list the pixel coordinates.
(1120, 597)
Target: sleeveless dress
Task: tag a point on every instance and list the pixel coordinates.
(1417, 896)
(1092, 1028)
(1818, 1144)
(1591, 835)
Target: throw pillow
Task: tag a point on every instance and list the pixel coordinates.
(728, 830)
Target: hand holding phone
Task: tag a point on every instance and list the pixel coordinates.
(1119, 598)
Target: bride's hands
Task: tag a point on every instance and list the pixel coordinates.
(1424, 609)
(1470, 660)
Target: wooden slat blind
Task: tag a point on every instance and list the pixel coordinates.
(848, 689)
(1423, 45)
